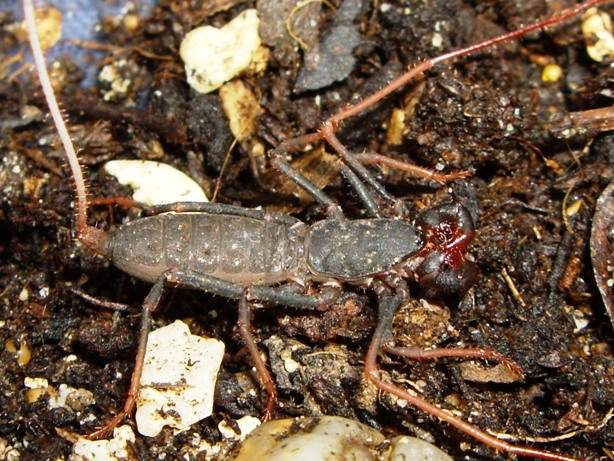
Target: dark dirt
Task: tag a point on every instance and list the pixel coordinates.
(490, 114)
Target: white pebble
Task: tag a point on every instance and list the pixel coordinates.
(116, 449)
(35, 383)
(24, 295)
(155, 183)
(178, 380)
(246, 425)
(330, 438)
(214, 56)
(597, 31)
(69, 397)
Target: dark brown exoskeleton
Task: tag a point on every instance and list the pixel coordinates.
(274, 248)
(250, 254)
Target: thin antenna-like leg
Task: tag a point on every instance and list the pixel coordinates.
(56, 114)
(89, 235)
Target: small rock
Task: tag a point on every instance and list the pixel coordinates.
(330, 438)
(116, 449)
(178, 380)
(213, 56)
(155, 183)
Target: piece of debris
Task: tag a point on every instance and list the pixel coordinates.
(332, 59)
(499, 373)
(279, 17)
(602, 246)
(241, 106)
(48, 27)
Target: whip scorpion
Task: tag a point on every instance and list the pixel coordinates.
(270, 257)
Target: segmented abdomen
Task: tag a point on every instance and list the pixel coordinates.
(234, 248)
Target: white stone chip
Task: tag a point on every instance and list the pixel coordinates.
(155, 183)
(214, 56)
(246, 425)
(178, 380)
(116, 449)
(35, 383)
(69, 397)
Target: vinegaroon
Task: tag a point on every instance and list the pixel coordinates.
(249, 254)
